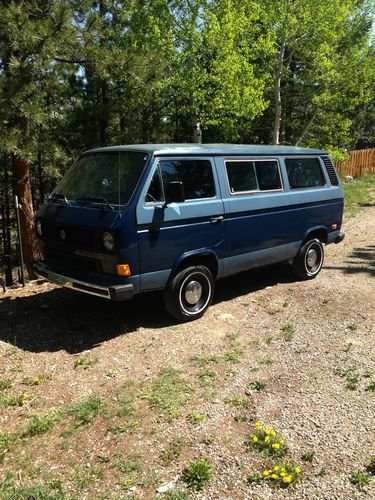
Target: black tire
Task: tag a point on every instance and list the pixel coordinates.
(190, 293)
(309, 260)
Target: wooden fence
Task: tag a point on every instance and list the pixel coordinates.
(361, 161)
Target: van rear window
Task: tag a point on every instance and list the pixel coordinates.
(304, 173)
(260, 175)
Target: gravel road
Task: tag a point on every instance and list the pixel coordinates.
(317, 372)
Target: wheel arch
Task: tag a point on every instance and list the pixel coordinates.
(202, 257)
(319, 232)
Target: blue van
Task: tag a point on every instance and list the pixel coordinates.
(131, 219)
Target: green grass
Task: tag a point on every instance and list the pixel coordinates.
(40, 424)
(8, 441)
(238, 402)
(169, 393)
(257, 385)
(265, 360)
(202, 361)
(197, 475)
(358, 192)
(85, 412)
(5, 383)
(308, 456)
(173, 451)
(360, 479)
(288, 331)
(51, 489)
(234, 356)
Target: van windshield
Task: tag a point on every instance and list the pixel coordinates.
(104, 177)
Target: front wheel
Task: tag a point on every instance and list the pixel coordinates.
(190, 293)
(309, 260)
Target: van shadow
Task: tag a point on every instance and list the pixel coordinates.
(361, 260)
(61, 319)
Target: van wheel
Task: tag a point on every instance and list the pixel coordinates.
(190, 293)
(309, 260)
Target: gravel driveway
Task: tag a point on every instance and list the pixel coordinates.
(310, 345)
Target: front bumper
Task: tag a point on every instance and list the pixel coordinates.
(112, 292)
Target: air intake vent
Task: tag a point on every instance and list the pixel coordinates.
(331, 170)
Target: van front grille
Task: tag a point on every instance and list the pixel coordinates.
(330, 170)
(72, 261)
(74, 235)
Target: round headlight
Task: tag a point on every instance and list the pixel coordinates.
(108, 241)
(39, 227)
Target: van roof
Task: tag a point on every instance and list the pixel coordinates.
(212, 149)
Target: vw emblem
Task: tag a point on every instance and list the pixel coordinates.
(62, 234)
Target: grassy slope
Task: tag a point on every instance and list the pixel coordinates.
(358, 193)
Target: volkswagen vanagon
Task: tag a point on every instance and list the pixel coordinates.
(126, 220)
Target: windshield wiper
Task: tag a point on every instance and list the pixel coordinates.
(100, 199)
(59, 196)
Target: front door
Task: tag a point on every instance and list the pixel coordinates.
(167, 232)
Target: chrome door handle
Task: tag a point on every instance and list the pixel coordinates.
(215, 220)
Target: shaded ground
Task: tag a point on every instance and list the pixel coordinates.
(154, 395)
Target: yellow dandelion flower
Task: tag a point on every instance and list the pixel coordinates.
(275, 476)
(267, 440)
(287, 479)
(298, 470)
(255, 439)
(265, 473)
(276, 446)
(282, 474)
(282, 441)
(268, 432)
(273, 433)
(258, 424)
(276, 467)
(270, 428)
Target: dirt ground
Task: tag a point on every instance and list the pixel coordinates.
(299, 356)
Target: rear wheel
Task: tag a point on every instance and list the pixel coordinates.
(190, 293)
(308, 263)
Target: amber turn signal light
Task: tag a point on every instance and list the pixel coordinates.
(123, 270)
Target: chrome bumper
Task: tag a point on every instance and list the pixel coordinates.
(114, 292)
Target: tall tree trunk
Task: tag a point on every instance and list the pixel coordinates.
(277, 93)
(7, 230)
(30, 245)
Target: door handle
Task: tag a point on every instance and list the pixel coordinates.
(216, 220)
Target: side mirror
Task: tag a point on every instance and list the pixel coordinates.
(175, 192)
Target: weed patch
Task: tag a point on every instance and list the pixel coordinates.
(197, 475)
(173, 451)
(169, 393)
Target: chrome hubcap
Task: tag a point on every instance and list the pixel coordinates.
(193, 292)
(312, 257)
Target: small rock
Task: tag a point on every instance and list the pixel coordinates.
(165, 487)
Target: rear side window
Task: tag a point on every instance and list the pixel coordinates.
(304, 173)
(245, 175)
(196, 176)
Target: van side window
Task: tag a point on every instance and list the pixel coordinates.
(155, 191)
(304, 173)
(247, 175)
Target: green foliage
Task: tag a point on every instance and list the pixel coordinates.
(85, 412)
(169, 393)
(173, 451)
(360, 479)
(198, 474)
(257, 385)
(288, 331)
(358, 192)
(308, 456)
(51, 489)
